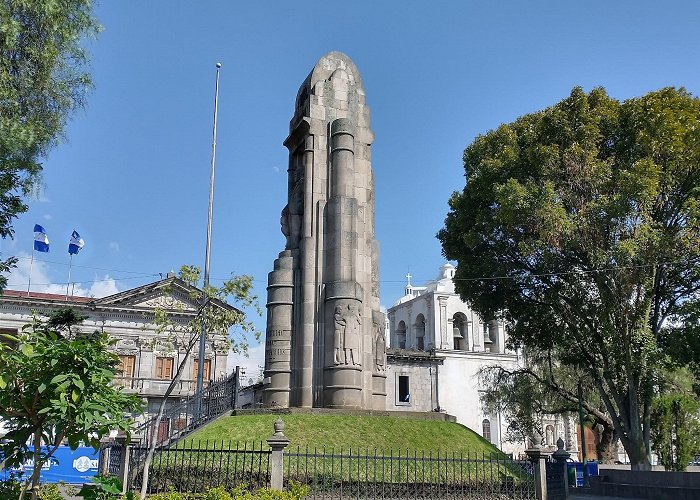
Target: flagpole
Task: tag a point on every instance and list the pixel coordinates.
(70, 267)
(31, 266)
(202, 336)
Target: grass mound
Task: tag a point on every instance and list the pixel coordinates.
(369, 456)
(348, 432)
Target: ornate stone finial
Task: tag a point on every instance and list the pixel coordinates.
(278, 441)
(561, 455)
(279, 427)
(536, 439)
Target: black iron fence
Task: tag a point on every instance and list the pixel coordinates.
(197, 466)
(183, 418)
(177, 422)
(192, 466)
(410, 474)
(113, 454)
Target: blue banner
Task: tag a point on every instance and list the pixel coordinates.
(73, 467)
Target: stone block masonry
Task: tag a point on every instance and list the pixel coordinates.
(325, 346)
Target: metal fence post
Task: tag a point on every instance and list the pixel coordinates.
(560, 457)
(538, 457)
(278, 442)
(124, 461)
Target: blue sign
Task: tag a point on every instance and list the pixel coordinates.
(73, 467)
(578, 474)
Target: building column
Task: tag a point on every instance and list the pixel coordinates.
(444, 332)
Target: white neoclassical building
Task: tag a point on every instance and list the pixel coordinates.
(148, 356)
(438, 345)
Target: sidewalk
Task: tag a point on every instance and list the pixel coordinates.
(594, 497)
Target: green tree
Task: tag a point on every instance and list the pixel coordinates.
(216, 317)
(580, 226)
(528, 394)
(55, 386)
(42, 80)
(675, 419)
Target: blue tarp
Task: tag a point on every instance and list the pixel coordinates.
(64, 465)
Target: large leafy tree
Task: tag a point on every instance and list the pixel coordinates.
(55, 385)
(42, 80)
(580, 225)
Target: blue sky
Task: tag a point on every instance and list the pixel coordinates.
(133, 174)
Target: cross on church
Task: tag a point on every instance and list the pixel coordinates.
(408, 278)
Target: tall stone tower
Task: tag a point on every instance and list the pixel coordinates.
(325, 334)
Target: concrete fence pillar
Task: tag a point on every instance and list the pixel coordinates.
(124, 462)
(560, 458)
(539, 457)
(277, 442)
(103, 457)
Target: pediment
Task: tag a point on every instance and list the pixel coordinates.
(164, 301)
(171, 294)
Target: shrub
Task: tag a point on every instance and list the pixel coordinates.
(169, 495)
(103, 488)
(295, 491)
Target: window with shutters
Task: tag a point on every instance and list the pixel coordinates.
(164, 368)
(126, 365)
(207, 369)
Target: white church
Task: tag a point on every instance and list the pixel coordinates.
(437, 345)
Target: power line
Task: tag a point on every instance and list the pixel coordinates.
(77, 282)
(91, 267)
(141, 274)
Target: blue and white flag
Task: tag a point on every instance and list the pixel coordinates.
(41, 240)
(76, 243)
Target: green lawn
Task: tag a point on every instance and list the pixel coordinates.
(340, 431)
(375, 452)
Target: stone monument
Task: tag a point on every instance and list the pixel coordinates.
(323, 345)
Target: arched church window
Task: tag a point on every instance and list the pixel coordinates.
(401, 335)
(486, 429)
(420, 332)
(459, 332)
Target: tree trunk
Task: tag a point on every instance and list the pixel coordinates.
(34, 480)
(637, 452)
(159, 417)
(605, 448)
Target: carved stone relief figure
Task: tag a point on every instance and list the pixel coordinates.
(353, 334)
(379, 347)
(339, 323)
(347, 334)
(293, 213)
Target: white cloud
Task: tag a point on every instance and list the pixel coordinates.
(103, 287)
(18, 279)
(114, 246)
(48, 216)
(276, 170)
(251, 364)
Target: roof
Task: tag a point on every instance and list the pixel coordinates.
(396, 353)
(171, 293)
(47, 296)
